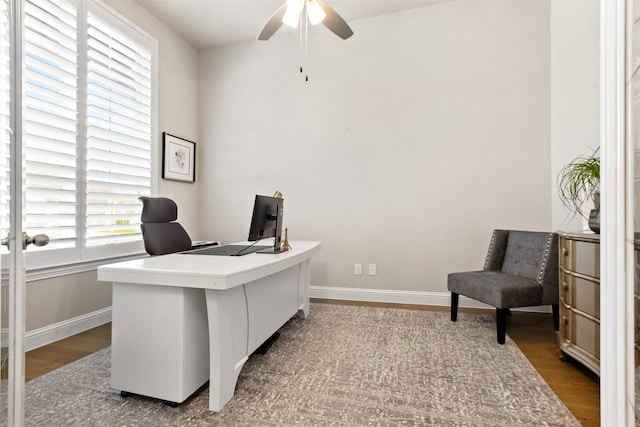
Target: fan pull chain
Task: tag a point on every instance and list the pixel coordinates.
(300, 44)
(304, 43)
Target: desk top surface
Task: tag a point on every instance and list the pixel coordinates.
(205, 271)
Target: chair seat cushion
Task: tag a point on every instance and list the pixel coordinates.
(498, 289)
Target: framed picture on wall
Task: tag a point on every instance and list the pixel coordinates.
(178, 158)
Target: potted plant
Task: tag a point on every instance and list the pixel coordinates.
(579, 182)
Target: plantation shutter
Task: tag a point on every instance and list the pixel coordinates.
(5, 119)
(50, 128)
(119, 131)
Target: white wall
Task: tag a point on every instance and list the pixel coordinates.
(62, 298)
(409, 144)
(575, 97)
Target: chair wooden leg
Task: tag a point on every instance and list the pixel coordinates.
(454, 306)
(556, 316)
(501, 320)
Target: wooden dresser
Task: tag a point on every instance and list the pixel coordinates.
(636, 314)
(579, 335)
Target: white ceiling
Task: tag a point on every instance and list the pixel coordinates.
(211, 23)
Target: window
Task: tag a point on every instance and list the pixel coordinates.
(89, 131)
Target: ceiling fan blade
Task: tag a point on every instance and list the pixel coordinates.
(273, 24)
(334, 22)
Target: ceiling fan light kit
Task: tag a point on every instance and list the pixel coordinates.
(317, 11)
(292, 14)
(295, 12)
(295, 9)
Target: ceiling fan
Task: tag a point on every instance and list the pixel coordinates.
(316, 11)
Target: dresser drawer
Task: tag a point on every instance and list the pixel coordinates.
(636, 332)
(636, 269)
(580, 293)
(580, 257)
(582, 332)
(586, 335)
(585, 296)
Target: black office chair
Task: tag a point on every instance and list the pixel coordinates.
(521, 270)
(161, 234)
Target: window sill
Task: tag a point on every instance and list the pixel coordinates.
(75, 268)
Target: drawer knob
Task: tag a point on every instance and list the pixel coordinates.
(565, 319)
(565, 285)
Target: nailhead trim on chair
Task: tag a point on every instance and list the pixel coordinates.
(491, 247)
(544, 260)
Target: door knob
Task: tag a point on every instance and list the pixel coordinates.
(38, 240)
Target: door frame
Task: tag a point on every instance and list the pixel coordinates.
(16, 303)
(617, 385)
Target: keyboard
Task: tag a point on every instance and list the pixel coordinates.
(228, 250)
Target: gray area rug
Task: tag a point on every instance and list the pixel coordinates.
(343, 366)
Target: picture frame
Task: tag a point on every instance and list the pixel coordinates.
(178, 158)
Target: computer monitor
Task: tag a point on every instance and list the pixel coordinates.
(266, 221)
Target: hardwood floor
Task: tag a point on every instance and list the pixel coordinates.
(45, 359)
(575, 385)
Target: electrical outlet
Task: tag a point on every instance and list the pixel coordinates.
(373, 270)
(358, 270)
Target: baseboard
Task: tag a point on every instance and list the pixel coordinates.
(57, 331)
(442, 299)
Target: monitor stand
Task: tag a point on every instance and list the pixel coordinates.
(277, 246)
(273, 250)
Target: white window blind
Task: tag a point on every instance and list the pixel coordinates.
(119, 132)
(51, 119)
(88, 129)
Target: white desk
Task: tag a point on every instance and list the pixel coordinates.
(180, 320)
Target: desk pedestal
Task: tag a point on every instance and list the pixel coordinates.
(168, 341)
(151, 328)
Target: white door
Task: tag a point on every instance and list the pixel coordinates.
(12, 379)
(14, 240)
(12, 293)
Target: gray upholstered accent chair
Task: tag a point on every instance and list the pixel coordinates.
(160, 233)
(521, 270)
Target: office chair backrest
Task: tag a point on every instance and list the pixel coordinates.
(160, 233)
